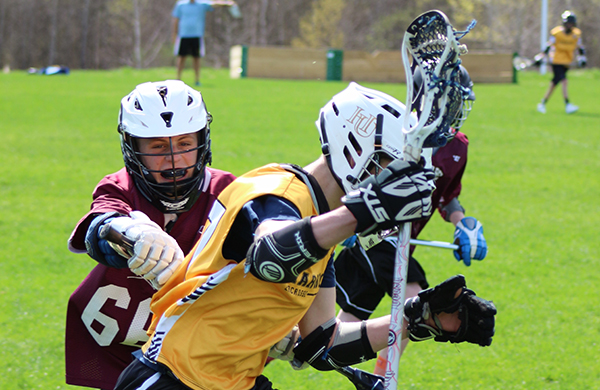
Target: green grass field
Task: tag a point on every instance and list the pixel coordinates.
(532, 179)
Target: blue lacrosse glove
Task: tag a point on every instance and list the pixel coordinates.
(99, 249)
(469, 238)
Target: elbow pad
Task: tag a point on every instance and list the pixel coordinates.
(279, 257)
(452, 206)
(350, 346)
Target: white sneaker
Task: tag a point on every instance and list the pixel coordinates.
(541, 108)
(571, 108)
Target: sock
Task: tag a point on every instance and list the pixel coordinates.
(544, 101)
(566, 101)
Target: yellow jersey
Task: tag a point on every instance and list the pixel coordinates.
(564, 45)
(213, 324)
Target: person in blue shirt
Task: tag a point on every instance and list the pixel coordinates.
(188, 31)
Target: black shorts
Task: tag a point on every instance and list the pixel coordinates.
(190, 47)
(362, 282)
(138, 375)
(560, 73)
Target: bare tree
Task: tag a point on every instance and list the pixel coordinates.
(3, 50)
(113, 33)
(84, 33)
(137, 35)
(53, 28)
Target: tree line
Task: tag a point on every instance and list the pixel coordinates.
(103, 34)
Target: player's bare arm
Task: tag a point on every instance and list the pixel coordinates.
(175, 23)
(218, 3)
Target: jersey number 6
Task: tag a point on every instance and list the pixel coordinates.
(136, 335)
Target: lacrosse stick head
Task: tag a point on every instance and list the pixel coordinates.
(469, 98)
(431, 49)
(522, 63)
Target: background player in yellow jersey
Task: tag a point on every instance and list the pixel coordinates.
(564, 40)
(264, 262)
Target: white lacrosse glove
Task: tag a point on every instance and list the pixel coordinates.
(581, 60)
(156, 255)
(284, 349)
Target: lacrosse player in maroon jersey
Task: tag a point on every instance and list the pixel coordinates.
(160, 200)
(364, 269)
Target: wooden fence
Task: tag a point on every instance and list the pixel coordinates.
(352, 65)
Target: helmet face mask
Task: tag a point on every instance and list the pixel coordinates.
(359, 128)
(376, 162)
(461, 117)
(165, 113)
(467, 104)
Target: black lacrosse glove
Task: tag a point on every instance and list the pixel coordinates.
(400, 193)
(476, 314)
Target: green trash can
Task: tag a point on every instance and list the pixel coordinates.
(335, 58)
(244, 61)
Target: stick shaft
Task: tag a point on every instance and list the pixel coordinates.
(435, 244)
(120, 243)
(397, 317)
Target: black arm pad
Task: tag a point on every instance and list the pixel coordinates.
(350, 346)
(279, 257)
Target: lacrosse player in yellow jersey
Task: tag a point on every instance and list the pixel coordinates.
(264, 263)
(564, 40)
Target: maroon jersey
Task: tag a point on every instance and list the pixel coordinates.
(449, 164)
(108, 314)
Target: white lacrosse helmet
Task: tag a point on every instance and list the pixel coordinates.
(356, 126)
(165, 109)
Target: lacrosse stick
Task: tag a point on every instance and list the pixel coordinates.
(432, 44)
(522, 63)
(112, 235)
